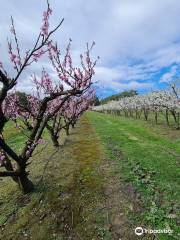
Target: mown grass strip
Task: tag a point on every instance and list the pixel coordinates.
(151, 158)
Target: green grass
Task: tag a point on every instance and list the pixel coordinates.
(68, 202)
(15, 137)
(150, 162)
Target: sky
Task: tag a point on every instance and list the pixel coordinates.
(138, 41)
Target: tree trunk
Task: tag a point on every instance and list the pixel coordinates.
(167, 117)
(54, 139)
(145, 115)
(178, 121)
(136, 113)
(156, 117)
(25, 184)
(67, 130)
(174, 116)
(8, 166)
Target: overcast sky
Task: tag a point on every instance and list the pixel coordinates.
(138, 41)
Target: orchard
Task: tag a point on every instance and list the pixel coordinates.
(89, 146)
(165, 102)
(51, 101)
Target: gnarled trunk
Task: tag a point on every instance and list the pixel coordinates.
(25, 184)
(53, 135)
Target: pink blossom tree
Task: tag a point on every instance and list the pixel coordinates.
(69, 114)
(48, 94)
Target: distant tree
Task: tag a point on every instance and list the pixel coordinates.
(130, 93)
(22, 96)
(164, 102)
(118, 96)
(96, 101)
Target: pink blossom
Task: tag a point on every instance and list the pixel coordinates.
(45, 25)
(41, 141)
(2, 159)
(38, 54)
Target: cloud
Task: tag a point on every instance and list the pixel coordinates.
(120, 79)
(136, 40)
(169, 76)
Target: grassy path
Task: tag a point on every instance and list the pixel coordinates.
(109, 176)
(79, 194)
(148, 157)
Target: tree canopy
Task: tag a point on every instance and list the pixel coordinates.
(118, 96)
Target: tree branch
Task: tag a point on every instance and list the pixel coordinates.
(9, 151)
(9, 174)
